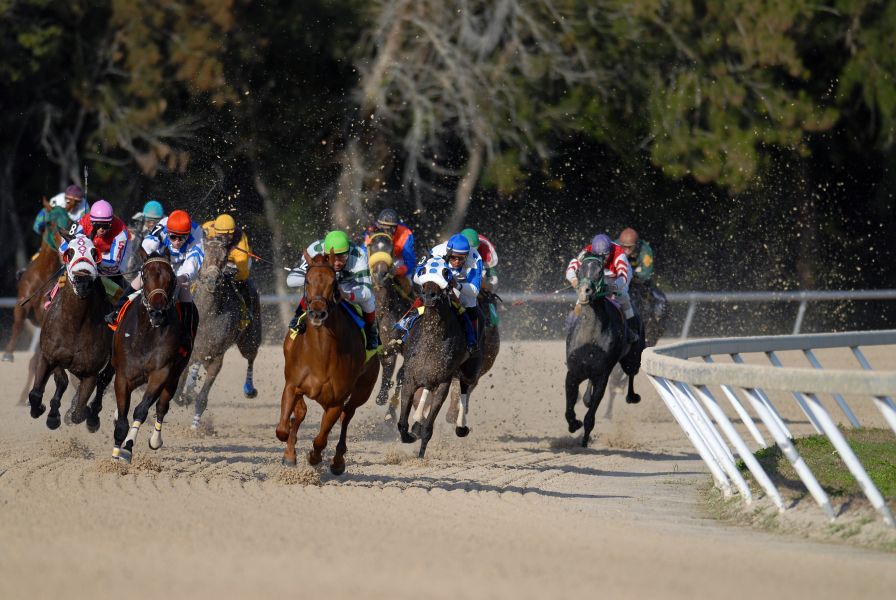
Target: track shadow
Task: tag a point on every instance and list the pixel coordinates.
(569, 445)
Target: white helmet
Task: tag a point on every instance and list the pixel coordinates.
(58, 200)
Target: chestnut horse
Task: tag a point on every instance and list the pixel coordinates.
(147, 348)
(75, 337)
(327, 363)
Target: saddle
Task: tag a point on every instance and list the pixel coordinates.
(355, 313)
(193, 323)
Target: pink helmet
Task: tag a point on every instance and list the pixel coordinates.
(101, 212)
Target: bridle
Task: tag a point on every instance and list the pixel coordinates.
(169, 296)
(600, 288)
(329, 302)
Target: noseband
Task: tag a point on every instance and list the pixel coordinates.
(328, 301)
(168, 295)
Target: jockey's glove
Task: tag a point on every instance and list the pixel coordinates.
(230, 269)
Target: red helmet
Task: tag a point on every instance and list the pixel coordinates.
(179, 223)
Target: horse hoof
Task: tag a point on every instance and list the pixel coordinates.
(249, 392)
(417, 429)
(125, 456)
(53, 422)
(78, 417)
(337, 469)
(381, 400)
(462, 431)
(37, 411)
(197, 420)
(155, 443)
(93, 424)
(407, 438)
(584, 442)
(314, 459)
(8, 357)
(575, 425)
(633, 399)
(288, 462)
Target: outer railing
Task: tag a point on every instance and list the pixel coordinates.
(684, 387)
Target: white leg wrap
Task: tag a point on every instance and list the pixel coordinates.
(418, 414)
(462, 410)
(155, 441)
(196, 420)
(132, 434)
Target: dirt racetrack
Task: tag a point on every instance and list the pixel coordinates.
(513, 511)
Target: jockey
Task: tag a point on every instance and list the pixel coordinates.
(239, 259)
(145, 221)
(50, 219)
(75, 203)
(489, 255)
(183, 239)
(111, 239)
(639, 253)
(617, 275)
(402, 245)
(353, 275)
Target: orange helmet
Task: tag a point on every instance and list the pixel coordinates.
(628, 237)
(179, 223)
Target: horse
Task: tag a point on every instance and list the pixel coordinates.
(30, 300)
(75, 337)
(392, 302)
(222, 309)
(435, 353)
(327, 363)
(148, 349)
(595, 343)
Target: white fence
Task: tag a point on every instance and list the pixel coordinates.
(684, 387)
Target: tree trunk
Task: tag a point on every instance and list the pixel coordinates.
(272, 216)
(465, 190)
(347, 206)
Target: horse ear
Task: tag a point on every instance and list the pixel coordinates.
(330, 258)
(306, 256)
(142, 254)
(96, 255)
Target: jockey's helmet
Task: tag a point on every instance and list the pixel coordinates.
(337, 241)
(628, 238)
(471, 236)
(225, 224)
(179, 223)
(74, 191)
(58, 200)
(153, 210)
(458, 245)
(600, 245)
(101, 212)
(388, 217)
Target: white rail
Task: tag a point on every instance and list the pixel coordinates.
(684, 387)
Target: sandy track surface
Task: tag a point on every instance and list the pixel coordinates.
(514, 510)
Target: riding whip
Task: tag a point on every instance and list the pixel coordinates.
(43, 285)
(264, 260)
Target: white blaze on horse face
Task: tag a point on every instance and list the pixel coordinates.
(433, 270)
(462, 410)
(418, 414)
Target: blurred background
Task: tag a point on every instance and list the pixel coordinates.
(750, 142)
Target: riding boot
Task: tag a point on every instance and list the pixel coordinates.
(470, 332)
(632, 330)
(372, 334)
(128, 290)
(298, 324)
(188, 325)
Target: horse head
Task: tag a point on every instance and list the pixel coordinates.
(379, 250)
(159, 287)
(80, 260)
(591, 280)
(213, 265)
(435, 278)
(321, 289)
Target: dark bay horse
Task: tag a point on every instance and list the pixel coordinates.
(223, 312)
(31, 284)
(392, 302)
(147, 348)
(435, 352)
(594, 344)
(75, 337)
(327, 363)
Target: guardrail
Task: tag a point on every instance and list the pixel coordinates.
(684, 387)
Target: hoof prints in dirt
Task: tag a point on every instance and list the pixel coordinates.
(302, 476)
(70, 448)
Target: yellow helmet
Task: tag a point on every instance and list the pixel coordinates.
(225, 224)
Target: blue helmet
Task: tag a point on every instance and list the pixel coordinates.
(600, 245)
(153, 210)
(458, 244)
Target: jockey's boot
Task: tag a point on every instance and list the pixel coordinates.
(128, 290)
(634, 324)
(470, 332)
(371, 331)
(298, 325)
(189, 324)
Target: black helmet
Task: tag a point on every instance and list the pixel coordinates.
(387, 218)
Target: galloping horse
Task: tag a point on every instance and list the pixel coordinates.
(147, 348)
(223, 325)
(594, 344)
(435, 352)
(327, 363)
(392, 303)
(30, 303)
(75, 337)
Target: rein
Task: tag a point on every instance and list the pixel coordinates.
(168, 296)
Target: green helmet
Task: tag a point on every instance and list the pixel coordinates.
(337, 241)
(471, 236)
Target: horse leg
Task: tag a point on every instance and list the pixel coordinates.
(29, 382)
(154, 387)
(85, 389)
(248, 344)
(287, 406)
(438, 399)
(18, 313)
(41, 375)
(301, 409)
(249, 390)
(600, 386)
(61, 379)
(331, 415)
(96, 406)
(360, 394)
(211, 373)
(122, 407)
(463, 409)
(395, 400)
(407, 396)
(155, 440)
(420, 413)
(631, 397)
(388, 363)
(572, 394)
(186, 388)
